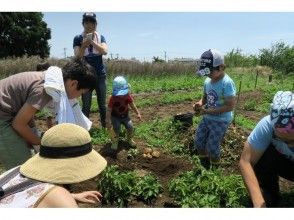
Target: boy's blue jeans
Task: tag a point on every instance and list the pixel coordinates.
(209, 135)
(101, 99)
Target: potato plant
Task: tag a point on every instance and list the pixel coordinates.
(147, 188)
(208, 188)
(119, 187)
(116, 186)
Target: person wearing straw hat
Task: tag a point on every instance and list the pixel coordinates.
(269, 152)
(66, 157)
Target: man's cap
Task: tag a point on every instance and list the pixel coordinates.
(209, 60)
(89, 16)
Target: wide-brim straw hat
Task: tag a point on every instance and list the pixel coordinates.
(66, 156)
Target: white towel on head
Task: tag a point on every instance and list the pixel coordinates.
(66, 111)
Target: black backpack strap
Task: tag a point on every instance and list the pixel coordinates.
(16, 188)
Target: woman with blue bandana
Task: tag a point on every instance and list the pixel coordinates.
(269, 152)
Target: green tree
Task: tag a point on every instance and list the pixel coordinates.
(279, 57)
(235, 58)
(23, 33)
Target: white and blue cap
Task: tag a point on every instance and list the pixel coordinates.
(120, 86)
(282, 112)
(209, 60)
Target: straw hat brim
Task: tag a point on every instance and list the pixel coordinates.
(64, 171)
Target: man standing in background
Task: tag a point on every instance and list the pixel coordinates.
(91, 46)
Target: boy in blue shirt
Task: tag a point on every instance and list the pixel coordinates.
(216, 106)
(269, 152)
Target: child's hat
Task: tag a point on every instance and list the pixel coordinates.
(208, 60)
(66, 156)
(282, 112)
(120, 86)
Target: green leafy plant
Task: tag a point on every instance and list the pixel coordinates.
(132, 153)
(147, 188)
(250, 105)
(116, 186)
(208, 188)
(119, 187)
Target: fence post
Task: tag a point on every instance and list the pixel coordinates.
(237, 102)
(270, 78)
(256, 79)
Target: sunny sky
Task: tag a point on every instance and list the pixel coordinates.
(177, 34)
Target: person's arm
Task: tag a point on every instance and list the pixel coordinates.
(134, 108)
(21, 121)
(228, 106)
(58, 197)
(249, 158)
(101, 47)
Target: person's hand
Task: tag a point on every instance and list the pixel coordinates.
(197, 106)
(203, 110)
(86, 42)
(91, 197)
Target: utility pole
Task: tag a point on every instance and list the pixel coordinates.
(117, 56)
(111, 56)
(64, 49)
(164, 56)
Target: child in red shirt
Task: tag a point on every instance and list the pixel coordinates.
(118, 111)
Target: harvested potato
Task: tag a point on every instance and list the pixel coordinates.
(156, 154)
(144, 155)
(149, 156)
(147, 150)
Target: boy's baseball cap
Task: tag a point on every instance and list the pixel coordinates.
(282, 112)
(89, 16)
(208, 60)
(120, 86)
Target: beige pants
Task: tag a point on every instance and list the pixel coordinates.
(13, 148)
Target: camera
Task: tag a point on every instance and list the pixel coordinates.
(89, 36)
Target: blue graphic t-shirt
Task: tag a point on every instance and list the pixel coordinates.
(216, 93)
(262, 135)
(91, 56)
